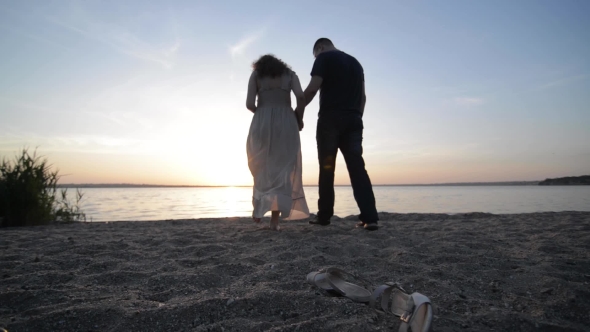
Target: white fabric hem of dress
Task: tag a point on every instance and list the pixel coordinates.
(290, 208)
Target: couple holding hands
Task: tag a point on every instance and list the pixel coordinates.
(274, 147)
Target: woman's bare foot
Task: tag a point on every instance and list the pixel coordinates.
(257, 220)
(274, 225)
(274, 221)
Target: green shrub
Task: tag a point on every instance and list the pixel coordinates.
(28, 189)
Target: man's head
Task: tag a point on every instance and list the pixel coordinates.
(322, 45)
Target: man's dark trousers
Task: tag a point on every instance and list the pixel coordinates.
(343, 131)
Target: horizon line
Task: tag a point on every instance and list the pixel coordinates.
(305, 185)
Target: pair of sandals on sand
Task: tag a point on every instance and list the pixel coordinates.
(414, 310)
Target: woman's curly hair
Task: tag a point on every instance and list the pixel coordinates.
(271, 66)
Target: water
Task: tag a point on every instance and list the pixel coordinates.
(112, 204)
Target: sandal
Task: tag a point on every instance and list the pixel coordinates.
(335, 280)
(414, 310)
(319, 279)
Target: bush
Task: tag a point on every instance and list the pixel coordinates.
(28, 189)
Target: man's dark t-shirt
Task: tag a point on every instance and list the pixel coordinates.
(342, 84)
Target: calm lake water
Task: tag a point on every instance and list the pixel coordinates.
(113, 204)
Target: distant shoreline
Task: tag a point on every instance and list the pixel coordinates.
(570, 180)
(126, 185)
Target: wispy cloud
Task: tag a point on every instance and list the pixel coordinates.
(562, 81)
(108, 116)
(243, 44)
(36, 38)
(448, 90)
(468, 101)
(120, 39)
(24, 105)
(74, 143)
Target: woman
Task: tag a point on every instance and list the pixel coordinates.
(273, 146)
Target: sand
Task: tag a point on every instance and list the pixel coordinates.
(484, 272)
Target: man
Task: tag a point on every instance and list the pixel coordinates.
(340, 79)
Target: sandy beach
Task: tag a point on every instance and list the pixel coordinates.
(484, 272)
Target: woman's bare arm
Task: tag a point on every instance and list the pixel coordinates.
(251, 96)
(296, 86)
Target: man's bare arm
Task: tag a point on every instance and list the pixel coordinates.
(312, 88)
(364, 101)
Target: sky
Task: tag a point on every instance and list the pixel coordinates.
(154, 92)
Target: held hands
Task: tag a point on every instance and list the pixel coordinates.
(299, 120)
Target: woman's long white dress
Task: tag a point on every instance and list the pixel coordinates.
(274, 153)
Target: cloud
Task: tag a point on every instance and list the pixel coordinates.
(75, 143)
(27, 105)
(562, 81)
(162, 56)
(115, 118)
(448, 90)
(240, 47)
(120, 39)
(468, 101)
(37, 38)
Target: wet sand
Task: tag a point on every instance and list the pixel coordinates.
(484, 272)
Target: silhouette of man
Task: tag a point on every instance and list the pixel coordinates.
(340, 79)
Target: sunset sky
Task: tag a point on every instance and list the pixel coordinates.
(154, 92)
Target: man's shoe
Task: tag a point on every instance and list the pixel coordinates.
(371, 226)
(318, 221)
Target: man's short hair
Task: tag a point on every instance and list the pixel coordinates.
(322, 41)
